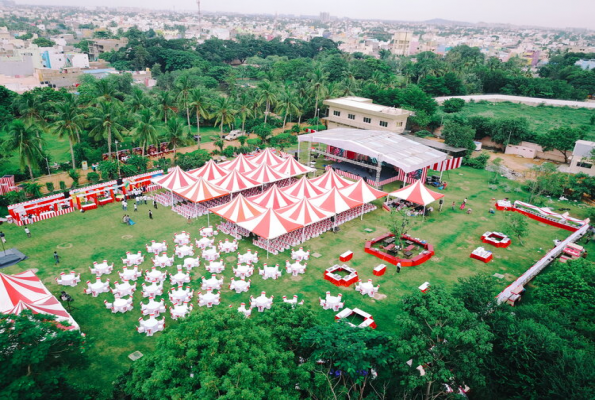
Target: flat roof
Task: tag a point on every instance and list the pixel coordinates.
(388, 147)
(436, 145)
(366, 104)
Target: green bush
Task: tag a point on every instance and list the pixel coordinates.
(422, 133)
(62, 185)
(75, 176)
(317, 127)
(93, 177)
(49, 186)
(478, 162)
(453, 105)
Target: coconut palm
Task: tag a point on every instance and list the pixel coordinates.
(183, 87)
(288, 103)
(104, 123)
(165, 104)
(176, 134)
(200, 101)
(244, 107)
(145, 130)
(68, 123)
(137, 100)
(224, 112)
(267, 95)
(25, 140)
(317, 86)
(104, 90)
(32, 110)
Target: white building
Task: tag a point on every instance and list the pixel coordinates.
(582, 158)
(361, 113)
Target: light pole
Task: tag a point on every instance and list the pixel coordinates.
(117, 159)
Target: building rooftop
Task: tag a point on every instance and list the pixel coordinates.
(366, 104)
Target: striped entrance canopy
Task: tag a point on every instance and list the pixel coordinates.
(270, 225)
(267, 156)
(201, 190)
(363, 192)
(273, 198)
(291, 167)
(241, 164)
(417, 193)
(210, 171)
(265, 174)
(235, 182)
(176, 179)
(305, 212)
(335, 202)
(239, 209)
(303, 188)
(330, 179)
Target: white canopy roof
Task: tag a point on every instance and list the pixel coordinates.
(384, 146)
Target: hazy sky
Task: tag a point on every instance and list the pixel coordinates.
(554, 13)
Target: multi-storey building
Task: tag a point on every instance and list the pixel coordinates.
(361, 113)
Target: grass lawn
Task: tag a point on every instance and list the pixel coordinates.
(541, 119)
(81, 239)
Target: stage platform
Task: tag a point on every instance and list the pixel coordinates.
(386, 173)
(10, 257)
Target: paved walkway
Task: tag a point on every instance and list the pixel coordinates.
(530, 101)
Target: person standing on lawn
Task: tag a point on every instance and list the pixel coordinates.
(150, 214)
(398, 268)
(56, 257)
(27, 231)
(441, 204)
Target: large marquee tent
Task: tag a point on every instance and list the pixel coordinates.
(303, 188)
(238, 210)
(210, 171)
(291, 167)
(273, 198)
(268, 157)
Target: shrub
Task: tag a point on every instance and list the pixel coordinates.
(62, 185)
(75, 175)
(93, 177)
(50, 186)
(422, 133)
(478, 162)
(453, 105)
(317, 127)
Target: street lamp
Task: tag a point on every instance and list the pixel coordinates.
(117, 159)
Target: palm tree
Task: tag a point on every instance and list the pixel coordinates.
(25, 140)
(288, 104)
(176, 134)
(165, 104)
(137, 100)
(317, 85)
(244, 109)
(104, 123)
(267, 94)
(224, 112)
(104, 90)
(200, 102)
(68, 122)
(183, 86)
(32, 110)
(145, 130)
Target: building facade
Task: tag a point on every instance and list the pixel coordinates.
(582, 158)
(361, 113)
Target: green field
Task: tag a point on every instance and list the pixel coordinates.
(541, 118)
(81, 239)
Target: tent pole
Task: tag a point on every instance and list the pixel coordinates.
(268, 244)
(441, 172)
(298, 153)
(362, 213)
(208, 218)
(424, 217)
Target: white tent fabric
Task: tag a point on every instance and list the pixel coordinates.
(176, 179)
(305, 213)
(335, 202)
(267, 156)
(303, 188)
(273, 198)
(265, 174)
(236, 182)
(239, 209)
(330, 179)
(290, 166)
(384, 146)
(363, 192)
(201, 190)
(26, 291)
(241, 164)
(270, 225)
(417, 193)
(210, 171)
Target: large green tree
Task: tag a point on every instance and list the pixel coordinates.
(105, 123)
(25, 140)
(561, 139)
(146, 128)
(68, 122)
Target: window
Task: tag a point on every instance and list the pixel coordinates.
(337, 113)
(583, 164)
(367, 120)
(399, 123)
(351, 116)
(384, 124)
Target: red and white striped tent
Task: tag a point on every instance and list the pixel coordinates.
(270, 225)
(239, 209)
(176, 179)
(210, 171)
(303, 188)
(265, 174)
(330, 179)
(26, 291)
(201, 190)
(417, 193)
(241, 164)
(267, 156)
(273, 198)
(335, 202)
(304, 212)
(235, 182)
(291, 167)
(363, 192)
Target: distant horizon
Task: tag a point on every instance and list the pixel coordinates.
(577, 14)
